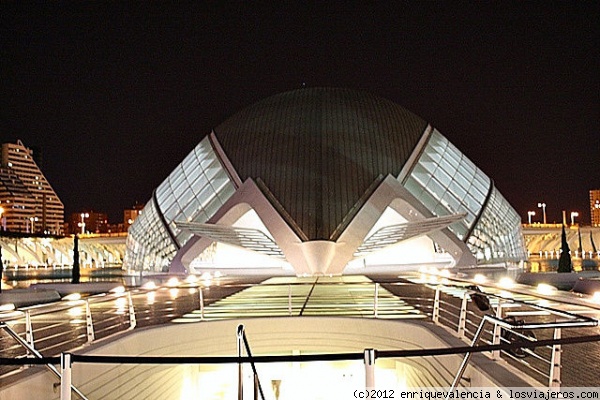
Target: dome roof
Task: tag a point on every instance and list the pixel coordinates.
(316, 152)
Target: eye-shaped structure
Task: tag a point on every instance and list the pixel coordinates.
(324, 181)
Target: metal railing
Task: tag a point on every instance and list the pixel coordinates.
(242, 342)
(453, 312)
(62, 326)
(369, 357)
(37, 354)
(507, 329)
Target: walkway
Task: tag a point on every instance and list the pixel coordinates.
(349, 296)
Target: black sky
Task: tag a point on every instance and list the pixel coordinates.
(116, 94)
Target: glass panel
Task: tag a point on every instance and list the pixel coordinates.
(185, 194)
(458, 185)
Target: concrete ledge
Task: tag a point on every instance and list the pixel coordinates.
(587, 286)
(562, 281)
(28, 297)
(84, 288)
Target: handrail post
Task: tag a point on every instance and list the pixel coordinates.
(462, 316)
(132, 320)
(369, 357)
(89, 322)
(497, 331)
(65, 376)
(255, 387)
(467, 357)
(555, 362)
(376, 300)
(290, 300)
(240, 346)
(435, 317)
(201, 294)
(28, 329)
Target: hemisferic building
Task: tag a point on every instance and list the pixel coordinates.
(321, 181)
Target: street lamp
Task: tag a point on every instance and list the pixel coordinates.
(33, 219)
(573, 215)
(529, 215)
(543, 207)
(82, 223)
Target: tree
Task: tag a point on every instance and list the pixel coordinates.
(564, 262)
(76, 272)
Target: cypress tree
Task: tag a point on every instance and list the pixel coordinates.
(76, 272)
(564, 262)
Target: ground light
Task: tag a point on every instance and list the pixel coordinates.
(192, 280)
(545, 289)
(506, 283)
(173, 282)
(479, 278)
(149, 286)
(7, 307)
(206, 279)
(118, 290)
(72, 297)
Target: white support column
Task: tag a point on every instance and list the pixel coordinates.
(376, 301)
(201, 294)
(65, 376)
(462, 317)
(435, 317)
(28, 329)
(369, 368)
(497, 331)
(290, 300)
(89, 323)
(132, 320)
(555, 362)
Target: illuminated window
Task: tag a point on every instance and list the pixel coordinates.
(193, 192)
(447, 182)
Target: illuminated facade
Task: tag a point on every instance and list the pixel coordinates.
(324, 181)
(29, 204)
(595, 207)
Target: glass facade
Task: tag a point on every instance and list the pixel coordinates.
(498, 237)
(447, 182)
(193, 192)
(442, 178)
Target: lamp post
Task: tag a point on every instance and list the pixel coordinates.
(543, 207)
(82, 223)
(33, 221)
(573, 215)
(529, 215)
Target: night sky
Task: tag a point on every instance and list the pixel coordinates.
(115, 95)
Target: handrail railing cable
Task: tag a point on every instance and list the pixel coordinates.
(504, 324)
(37, 354)
(241, 334)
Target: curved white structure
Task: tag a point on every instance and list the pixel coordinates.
(324, 181)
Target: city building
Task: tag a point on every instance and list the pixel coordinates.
(131, 214)
(324, 181)
(28, 202)
(595, 207)
(88, 222)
